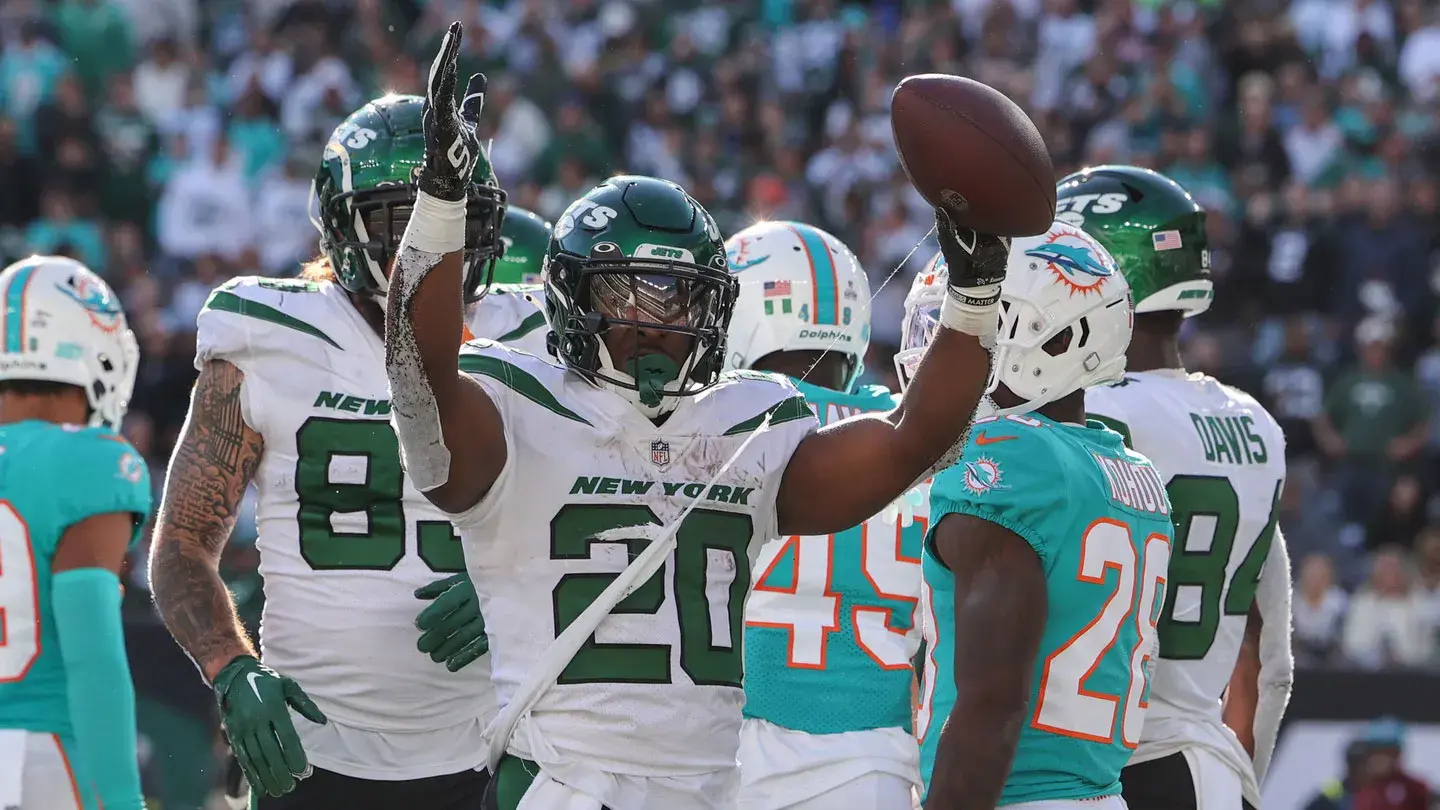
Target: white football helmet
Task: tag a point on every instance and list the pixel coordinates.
(61, 323)
(801, 289)
(1062, 280)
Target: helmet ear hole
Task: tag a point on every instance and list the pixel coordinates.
(1059, 344)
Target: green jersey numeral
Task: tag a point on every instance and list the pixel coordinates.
(1193, 496)
(380, 497)
(707, 660)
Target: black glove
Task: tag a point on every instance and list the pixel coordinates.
(976, 261)
(451, 145)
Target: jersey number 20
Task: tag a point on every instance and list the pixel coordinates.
(1066, 704)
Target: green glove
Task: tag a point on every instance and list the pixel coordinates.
(451, 628)
(254, 701)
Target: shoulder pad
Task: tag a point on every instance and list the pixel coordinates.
(518, 373)
(103, 473)
(250, 316)
(744, 398)
(1006, 476)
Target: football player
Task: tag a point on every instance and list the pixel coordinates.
(1046, 564)
(609, 507)
(73, 497)
(513, 312)
(292, 396)
(830, 628)
(1226, 620)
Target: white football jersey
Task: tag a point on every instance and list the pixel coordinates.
(344, 538)
(656, 691)
(1223, 459)
(513, 314)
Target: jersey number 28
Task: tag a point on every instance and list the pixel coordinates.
(1067, 704)
(19, 597)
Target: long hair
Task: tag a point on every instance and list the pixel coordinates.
(318, 269)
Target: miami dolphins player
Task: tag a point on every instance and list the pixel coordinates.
(1225, 629)
(609, 507)
(830, 628)
(1045, 566)
(73, 496)
(292, 397)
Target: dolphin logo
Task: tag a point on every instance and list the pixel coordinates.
(93, 300)
(1071, 258)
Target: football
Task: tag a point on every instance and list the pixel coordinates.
(968, 148)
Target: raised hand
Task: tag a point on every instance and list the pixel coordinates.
(452, 146)
(976, 264)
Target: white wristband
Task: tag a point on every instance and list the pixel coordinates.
(436, 226)
(981, 320)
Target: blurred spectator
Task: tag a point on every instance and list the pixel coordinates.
(29, 71)
(61, 231)
(282, 214)
(1402, 516)
(1374, 421)
(205, 207)
(1384, 784)
(1319, 610)
(1389, 622)
(129, 143)
(161, 81)
(96, 34)
(20, 177)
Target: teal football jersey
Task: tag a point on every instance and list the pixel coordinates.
(1097, 516)
(830, 627)
(51, 477)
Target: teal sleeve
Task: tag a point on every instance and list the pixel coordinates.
(1007, 476)
(103, 474)
(86, 603)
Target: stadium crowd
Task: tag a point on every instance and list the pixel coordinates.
(170, 144)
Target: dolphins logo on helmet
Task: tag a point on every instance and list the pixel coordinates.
(1068, 255)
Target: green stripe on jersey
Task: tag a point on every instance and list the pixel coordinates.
(1115, 425)
(519, 381)
(534, 321)
(786, 411)
(226, 301)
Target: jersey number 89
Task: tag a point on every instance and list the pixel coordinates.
(379, 496)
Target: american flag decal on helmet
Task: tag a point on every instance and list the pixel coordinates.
(1165, 240)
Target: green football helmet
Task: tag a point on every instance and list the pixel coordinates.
(641, 253)
(525, 236)
(365, 191)
(1153, 228)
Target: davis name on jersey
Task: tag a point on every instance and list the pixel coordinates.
(660, 679)
(830, 630)
(52, 477)
(1222, 457)
(344, 538)
(1097, 518)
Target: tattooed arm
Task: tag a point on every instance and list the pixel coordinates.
(213, 462)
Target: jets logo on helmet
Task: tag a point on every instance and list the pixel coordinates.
(1151, 226)
(801, 289)
(1069, 255)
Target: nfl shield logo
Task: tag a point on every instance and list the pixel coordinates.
(660, 452)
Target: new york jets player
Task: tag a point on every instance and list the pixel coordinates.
(73, 496)
(513, 311)
(292, 396)
(609, 508)
(831, 626)
(1227, 617)
(1046, 564)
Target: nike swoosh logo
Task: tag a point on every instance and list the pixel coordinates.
(251, 679)
(983, 440)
